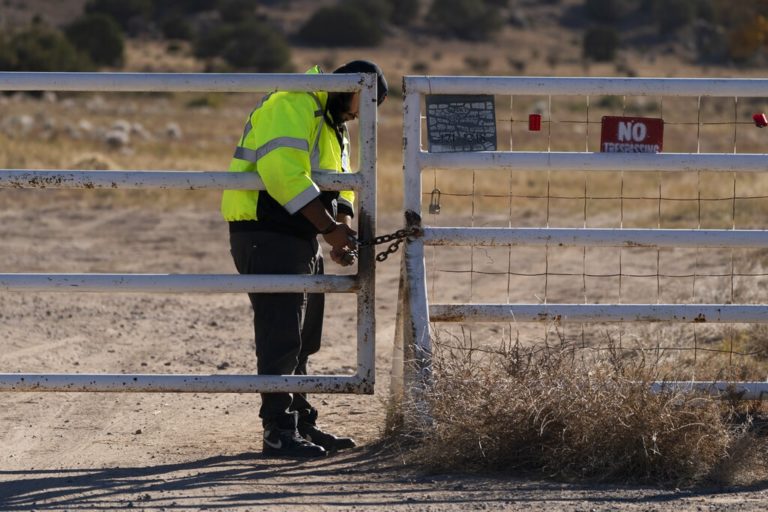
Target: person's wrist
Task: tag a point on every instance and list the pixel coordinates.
(332, 226)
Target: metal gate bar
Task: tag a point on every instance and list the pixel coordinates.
(598, 313)
(414, 340)
(630, 162)
(583, 86)
(177, 283)
(363, 284)
(182, 383)
(186, 180)
(598, 237)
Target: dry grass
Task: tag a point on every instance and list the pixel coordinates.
(211, 129)
(556, 413)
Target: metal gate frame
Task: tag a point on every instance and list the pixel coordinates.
(362, 284)
(413, 339)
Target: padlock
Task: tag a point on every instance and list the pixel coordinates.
(760, 120)
(434, 202)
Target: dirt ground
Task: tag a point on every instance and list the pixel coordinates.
(84, 451)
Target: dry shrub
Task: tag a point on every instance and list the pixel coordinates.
(93, 162)
(564, 414)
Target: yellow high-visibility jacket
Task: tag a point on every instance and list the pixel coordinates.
(285, 139)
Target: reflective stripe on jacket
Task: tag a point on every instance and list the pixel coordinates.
(285, 139)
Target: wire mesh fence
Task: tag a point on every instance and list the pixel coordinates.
(691, 199)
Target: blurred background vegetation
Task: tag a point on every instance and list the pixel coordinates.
(241, 35)
(436, 37)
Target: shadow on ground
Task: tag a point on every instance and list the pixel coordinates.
(364, 478)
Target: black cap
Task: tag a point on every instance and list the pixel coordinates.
(364, 66)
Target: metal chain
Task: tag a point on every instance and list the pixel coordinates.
(413, 229)
(394, 240)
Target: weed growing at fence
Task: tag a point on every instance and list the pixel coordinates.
(565, 414)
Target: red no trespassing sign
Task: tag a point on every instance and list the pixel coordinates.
(631, 135)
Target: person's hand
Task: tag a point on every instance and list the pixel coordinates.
(343, 242)
(344, 257)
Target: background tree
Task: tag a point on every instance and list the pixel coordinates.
(404, 12)
(124, 12)
(7, 54)
(600, 44)
(41, 48)
(471, 20)
(610, 11)
(233, 11)
(671, 15)
(342, 25)
(249, 45)
(98, 36)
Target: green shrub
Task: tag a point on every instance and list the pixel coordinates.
(249, 45)
(376, 10)
(343, 25)
(123, 11)
(404, 12)
(673, 14)
(472, 20)
(233, 11)
(208, 100)
(600, 44)
(176, 27)
(98, 36)
(7, 54)
(41, 48)
(705, 10)
(173, 17)
(609, 10)
(164, 8)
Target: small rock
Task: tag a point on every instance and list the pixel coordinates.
(139, 130)
(72, 132)
(117, 139)
(49, 124)
(22, 124)
(96, 104)
(173, 131)
(121, 125)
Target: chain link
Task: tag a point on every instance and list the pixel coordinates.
(412, 220)
(394, 240)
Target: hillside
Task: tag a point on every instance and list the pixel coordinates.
(534, 38)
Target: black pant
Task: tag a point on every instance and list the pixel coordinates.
(287, 326)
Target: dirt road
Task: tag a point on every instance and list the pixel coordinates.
(101, 451)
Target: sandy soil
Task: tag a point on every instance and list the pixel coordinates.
(84, 451)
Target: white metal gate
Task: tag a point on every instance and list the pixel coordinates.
(418, 312)
(363, 181)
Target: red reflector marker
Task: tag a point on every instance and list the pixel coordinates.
(534, 122)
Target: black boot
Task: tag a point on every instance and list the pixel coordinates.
(308, 429)
(282, 439)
